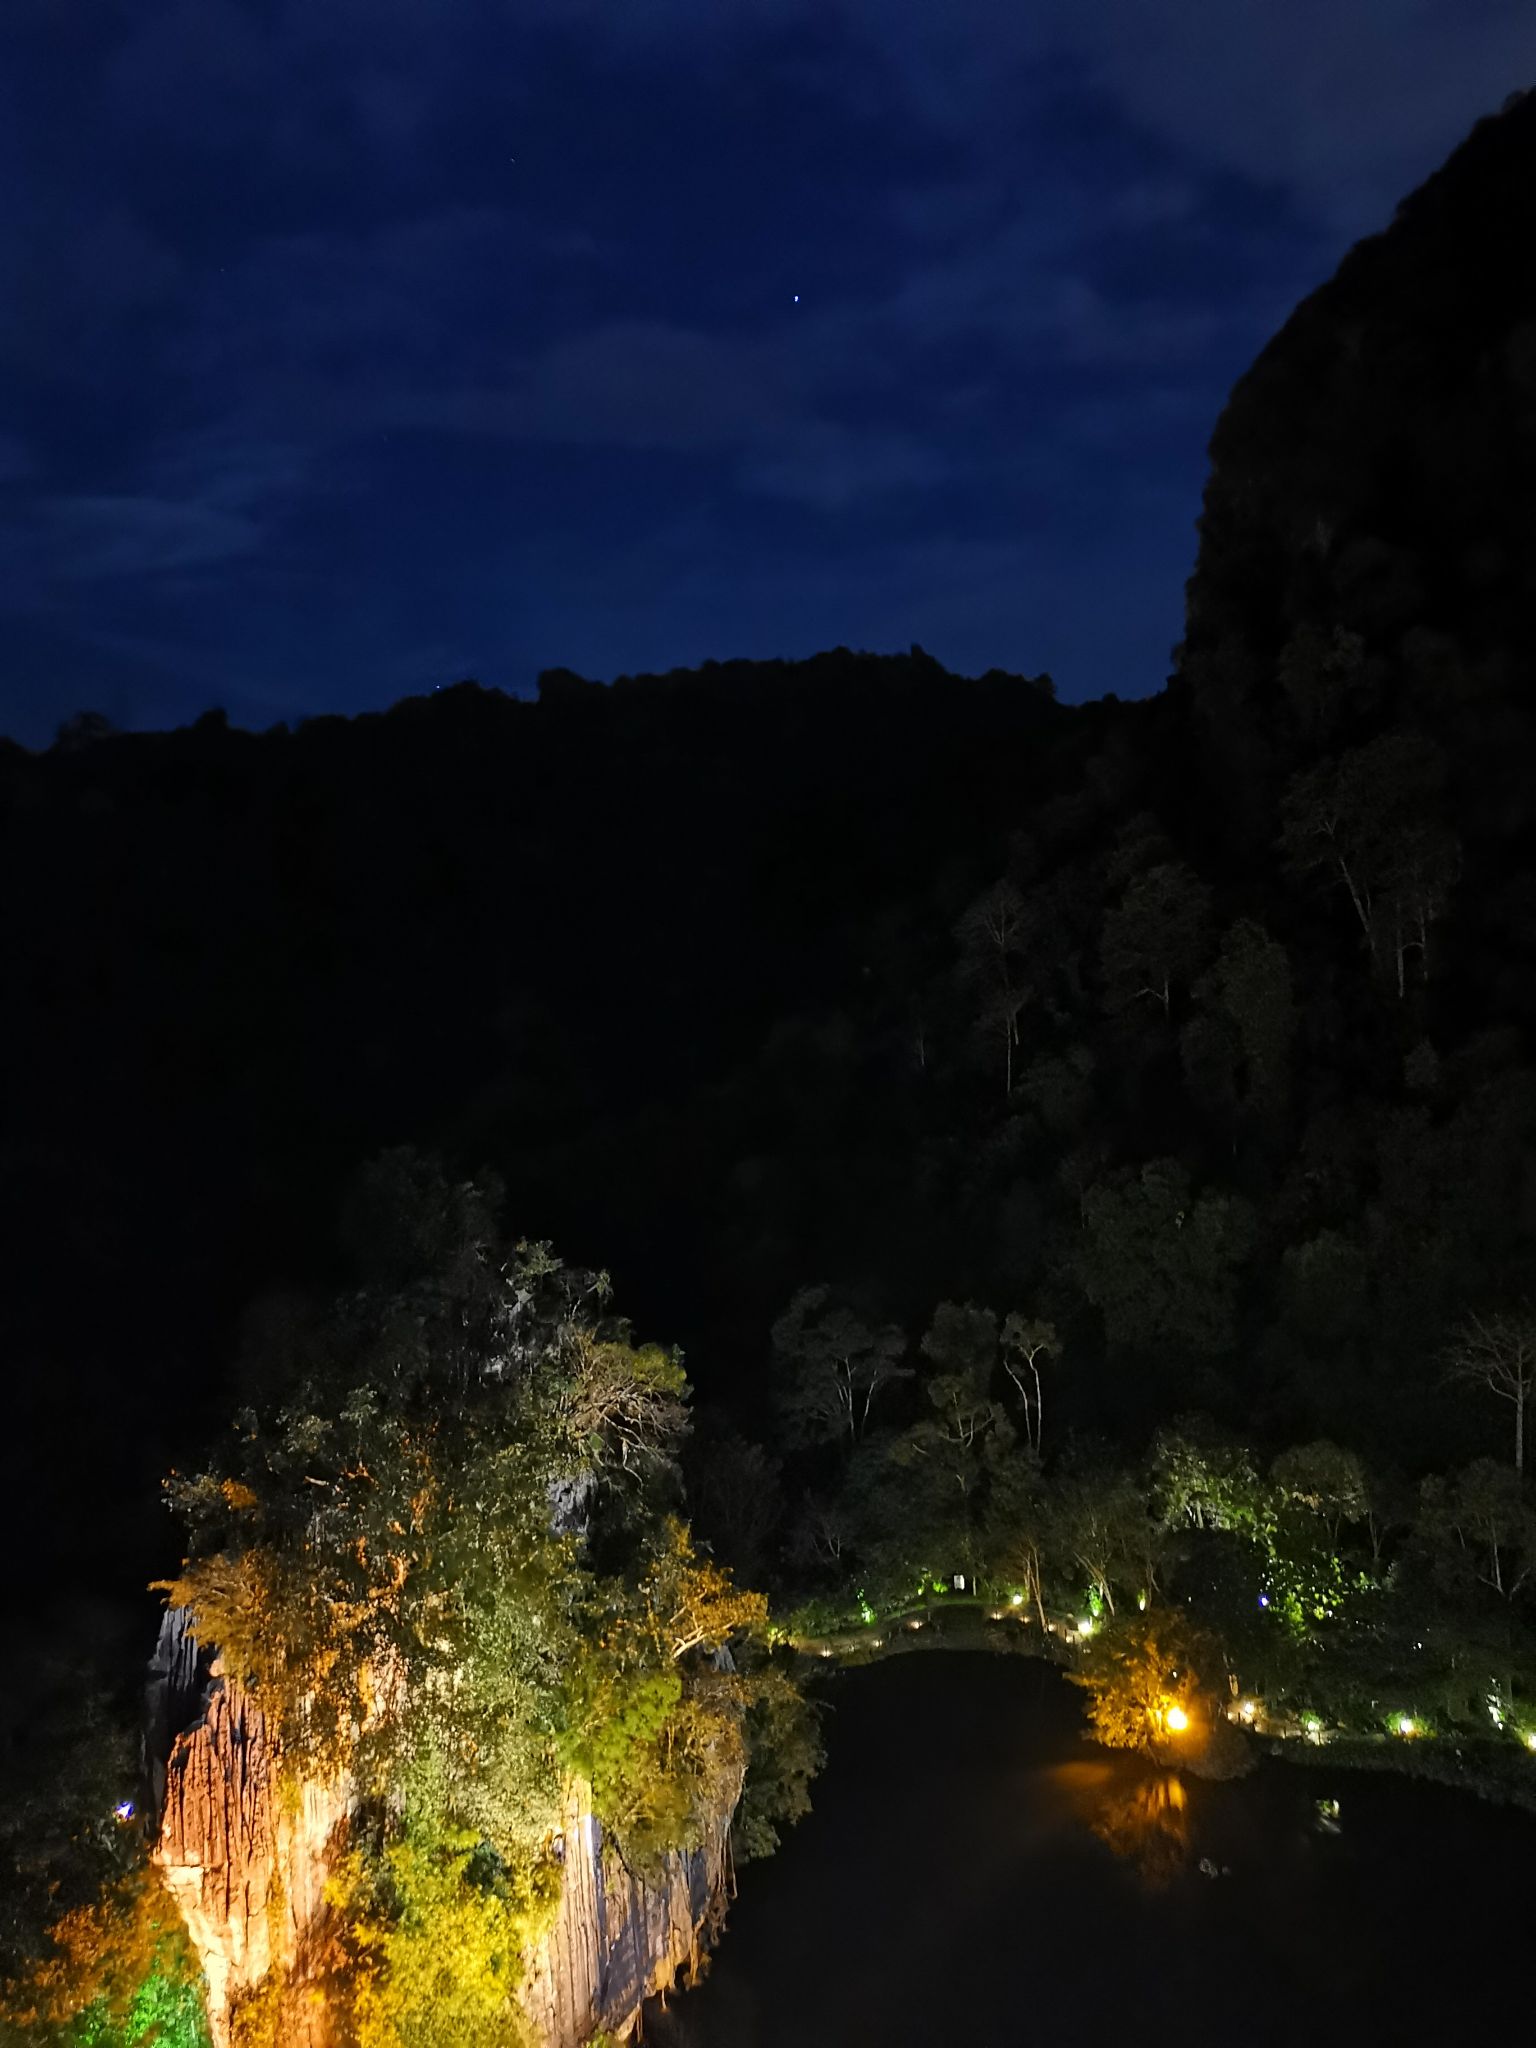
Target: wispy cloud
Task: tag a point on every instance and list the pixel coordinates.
(344, 336)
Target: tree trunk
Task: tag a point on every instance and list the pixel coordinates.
(1520, 1385)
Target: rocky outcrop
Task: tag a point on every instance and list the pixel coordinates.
(619, 1938)
(246, 1862)
(247, 1859)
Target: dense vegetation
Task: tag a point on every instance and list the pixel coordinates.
(442, 1552)
(1181, 1049)
(1300, 1592)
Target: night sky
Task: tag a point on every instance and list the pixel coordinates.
(349, 347)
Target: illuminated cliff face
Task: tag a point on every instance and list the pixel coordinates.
(247, 1860)
(248, 1868)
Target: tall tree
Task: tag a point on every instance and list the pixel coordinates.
(1161, 1263)
(1498, 1353)
(1371, 820)
(1237, 1049)
(992, 937)
(1026, 1340)
(1157, 937)
(830, 1367)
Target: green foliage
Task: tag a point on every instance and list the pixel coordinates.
(397, 1561)
(784, 1754)
(438, 1926)
(831, 1367)
(1140, 1672)
(1157, 937)
(1205, 1479)
(115, 1973)
(623, 1739)
(1161, 1263)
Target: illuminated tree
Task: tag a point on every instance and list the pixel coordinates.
(1026, 1340)
(1369, 819)
(1204, 1479)
(1106, 1527)
(396, 1560)
(1327, 1481)
(115, 1973)
(830, 1367)
(784, 1754)
(1498, 1353)
(1157, 937)
(992, 939)
(961, 1343)
(1478, 1527)
(1021, 1532)
(1144, 1683)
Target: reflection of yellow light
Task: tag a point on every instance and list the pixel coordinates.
(1085, 1628)
(1247, 1709)
(1177, 1720)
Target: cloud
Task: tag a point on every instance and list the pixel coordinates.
(1343, 106)
(105, 537)
(632, 384)
(15, 459)
(284, 317)
(831, 467)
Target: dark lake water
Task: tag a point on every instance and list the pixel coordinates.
(976, 1874)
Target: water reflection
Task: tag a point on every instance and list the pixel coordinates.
(1142, 1815)
(1148, 1826)
(963, 1834)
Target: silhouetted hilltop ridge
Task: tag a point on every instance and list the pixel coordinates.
(1374, 475)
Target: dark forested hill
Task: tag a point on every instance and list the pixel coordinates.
(1200, 1026)
(594, 942)
(1368, 544)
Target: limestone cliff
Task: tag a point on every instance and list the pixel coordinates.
(248, 1868)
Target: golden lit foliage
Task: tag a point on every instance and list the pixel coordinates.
(655, 1731)
(1146, 1824)
(438, 1930)
(1137, 1672)
(118, 1974)
(690, 1603)
(394, 1565)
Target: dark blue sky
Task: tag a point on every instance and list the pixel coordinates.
(348, 347)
